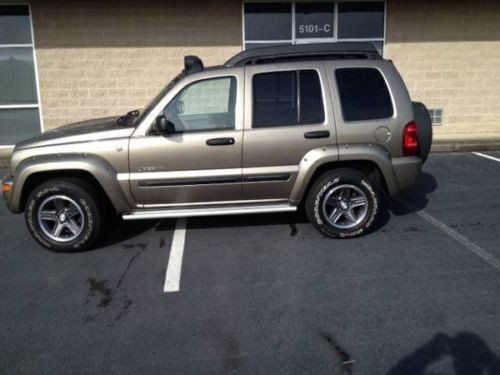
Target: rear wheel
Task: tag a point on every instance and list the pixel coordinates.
(62, 214)
(343, 203)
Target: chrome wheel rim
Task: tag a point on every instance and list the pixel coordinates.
(345, 206)
(60, 218)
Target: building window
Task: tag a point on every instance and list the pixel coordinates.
(363, 94)
(271, 24)
(436, 115)
(287, 98)
(19, 102)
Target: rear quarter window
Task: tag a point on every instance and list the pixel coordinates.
(363, 94)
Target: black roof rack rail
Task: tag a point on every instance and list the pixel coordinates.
(298, 52)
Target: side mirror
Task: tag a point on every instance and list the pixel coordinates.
(163, 126)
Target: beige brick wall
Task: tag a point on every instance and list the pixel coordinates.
(448, 53)
(100, 58)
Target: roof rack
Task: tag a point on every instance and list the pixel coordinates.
(342, 50)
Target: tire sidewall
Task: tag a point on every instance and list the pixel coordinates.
(315, 206)
(87, 206)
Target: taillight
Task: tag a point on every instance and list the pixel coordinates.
(410, 140)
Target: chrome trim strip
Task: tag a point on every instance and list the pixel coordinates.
(213, 211)
(239, 202)
(139, 176)
(271, 170)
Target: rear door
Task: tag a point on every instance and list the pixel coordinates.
(287, 113)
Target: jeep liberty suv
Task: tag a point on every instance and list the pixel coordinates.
(331, 126)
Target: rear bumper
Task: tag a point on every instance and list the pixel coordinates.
(407, 171)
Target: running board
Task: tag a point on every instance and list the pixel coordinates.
(208, 211)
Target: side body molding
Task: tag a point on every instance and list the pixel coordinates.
(99, 168)
(356, 152)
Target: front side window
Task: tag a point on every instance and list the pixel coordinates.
(287, 98)
(19, 109)
(363, 94)
(205, 105)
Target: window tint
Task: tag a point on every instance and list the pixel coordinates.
(311, 103)
(363, 94)
(268, 21)
(17, 76)
(361, 20)
(18, 86)
(287, 98)
(204, 105)
(18, 124)
(314, 20)
(15, 25)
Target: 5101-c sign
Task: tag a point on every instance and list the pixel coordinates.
(314, 29)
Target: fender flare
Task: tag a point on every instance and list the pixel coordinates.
(96, 166)
(317, 157)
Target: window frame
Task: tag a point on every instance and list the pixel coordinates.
(232, 78)
(144, 126)
(38, 104)
(334, 39)
(281, 70)
(339, 99)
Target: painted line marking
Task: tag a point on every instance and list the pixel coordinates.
(486, 156)
(479, 251)
(174, 267)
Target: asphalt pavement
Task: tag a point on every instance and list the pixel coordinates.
(267, 294)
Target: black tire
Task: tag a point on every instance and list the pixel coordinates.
(82, 194)
(330, 183)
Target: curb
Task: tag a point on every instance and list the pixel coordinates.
(469, 145)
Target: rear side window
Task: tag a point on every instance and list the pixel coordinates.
(363, 94)
(287, 98)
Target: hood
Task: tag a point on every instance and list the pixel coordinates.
(84, 131)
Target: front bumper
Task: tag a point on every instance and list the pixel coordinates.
(7, 185)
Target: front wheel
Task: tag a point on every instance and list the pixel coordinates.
(62, 215)
(343, 203)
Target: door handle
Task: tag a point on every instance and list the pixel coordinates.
(317, 134)
(220, 141)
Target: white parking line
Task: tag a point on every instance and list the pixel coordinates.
(479, 251)
(174, 267)
(486, 156)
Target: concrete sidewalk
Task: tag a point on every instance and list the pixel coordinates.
(445, 145)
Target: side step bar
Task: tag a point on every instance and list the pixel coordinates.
(208, 211)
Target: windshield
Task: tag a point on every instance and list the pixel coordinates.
(157, 99)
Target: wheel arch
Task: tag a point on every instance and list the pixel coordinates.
(94, 170)
(371, 160)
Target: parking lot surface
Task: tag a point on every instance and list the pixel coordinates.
(267, 294)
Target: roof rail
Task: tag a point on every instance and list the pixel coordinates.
(341, 50)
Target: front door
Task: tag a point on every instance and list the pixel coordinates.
(201, 161)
